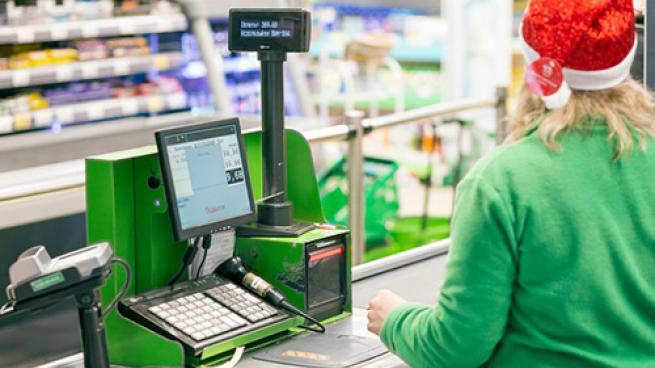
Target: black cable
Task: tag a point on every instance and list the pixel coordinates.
(189, 255)
(202, 262)
(206, 244)
(126, 285)
(320, 328)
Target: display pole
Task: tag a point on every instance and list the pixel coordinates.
(275, 210)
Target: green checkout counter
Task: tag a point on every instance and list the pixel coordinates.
(128, 206)
(210, 171)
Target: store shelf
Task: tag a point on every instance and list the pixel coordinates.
(108, 27)
(92, 111)
(95, 69)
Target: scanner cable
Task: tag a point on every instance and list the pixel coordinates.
(124, 289)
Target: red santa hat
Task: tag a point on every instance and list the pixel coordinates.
(577, 44)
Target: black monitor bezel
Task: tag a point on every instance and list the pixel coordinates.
(300, 43)
(179, 233)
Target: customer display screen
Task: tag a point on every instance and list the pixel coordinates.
(284, 30)
(266, 28)
(206, 178)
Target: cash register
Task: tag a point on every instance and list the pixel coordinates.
(208, 189)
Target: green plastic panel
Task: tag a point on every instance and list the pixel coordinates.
(112, 202)
(303, 188)
(123, 209)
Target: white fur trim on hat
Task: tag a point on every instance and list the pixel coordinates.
(588, 80)
(559, 99)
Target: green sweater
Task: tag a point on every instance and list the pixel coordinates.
(552, 263)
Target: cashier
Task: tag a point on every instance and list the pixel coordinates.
(553, 237)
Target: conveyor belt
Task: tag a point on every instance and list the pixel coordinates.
(418, 282)
(416, 275)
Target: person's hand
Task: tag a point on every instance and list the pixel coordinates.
(379, 308)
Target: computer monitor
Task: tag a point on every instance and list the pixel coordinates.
(206, 178)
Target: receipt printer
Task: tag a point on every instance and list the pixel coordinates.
(312, 271)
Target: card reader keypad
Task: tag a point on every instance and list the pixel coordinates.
(198, 316)
(242, 302)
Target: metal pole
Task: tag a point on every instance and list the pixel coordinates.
(427, 112)
(341, 132)
(277, 210)
(214, 65)
(332, 133)
(94, 341)
(356, 206)
(501, 115)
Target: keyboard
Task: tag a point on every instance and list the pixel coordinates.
(201, 312)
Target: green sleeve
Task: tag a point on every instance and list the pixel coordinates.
(471, 315)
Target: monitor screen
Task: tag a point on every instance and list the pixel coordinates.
(205, 177)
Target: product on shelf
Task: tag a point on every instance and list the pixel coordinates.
(87, 91)
(91, 101)
(42, 58)
(35, 55)
(128, 46)
(91, 49)
(78, 92)
(132, 7)
(22, 103)
(18, 12)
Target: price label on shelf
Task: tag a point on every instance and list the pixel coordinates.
(155, 104)
(6, 124)
(22, 121)
(58, 32)
(130, 106)
(162, 62)
(95, 111)
(64, 73)
(121, 67)
(65, 115)
(89, 70)
(20, 78)
(90, 30)
(25, 34)
(43, 118)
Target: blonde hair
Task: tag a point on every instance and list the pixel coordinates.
(628, 110)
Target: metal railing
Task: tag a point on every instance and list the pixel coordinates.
(356, 126)
(69, 179)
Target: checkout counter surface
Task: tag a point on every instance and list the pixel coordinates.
(423, 268)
